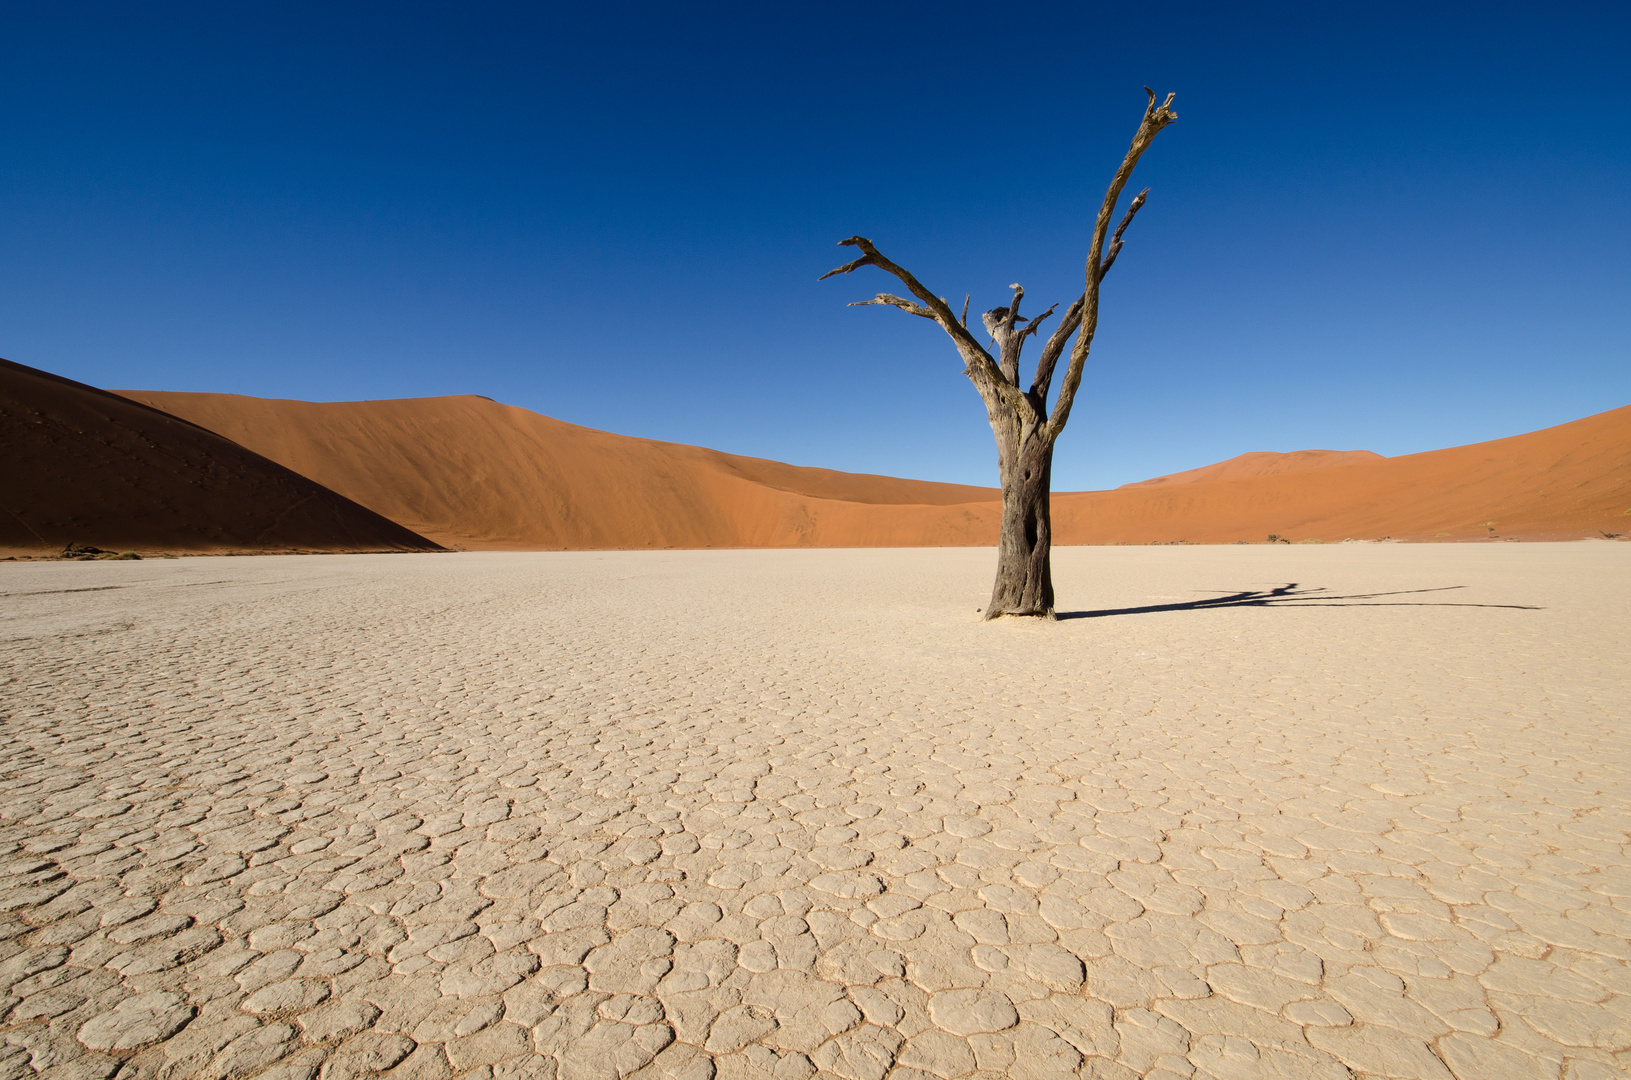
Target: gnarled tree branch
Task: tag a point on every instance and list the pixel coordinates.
(871, 256)
(1034, 324)
(896, 301)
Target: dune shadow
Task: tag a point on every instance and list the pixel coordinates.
(1292, 594)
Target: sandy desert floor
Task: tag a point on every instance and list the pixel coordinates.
(793, 813)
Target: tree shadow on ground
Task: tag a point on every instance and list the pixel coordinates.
(1292, 594)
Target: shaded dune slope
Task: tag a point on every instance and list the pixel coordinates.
(86, 466)
(470, 472)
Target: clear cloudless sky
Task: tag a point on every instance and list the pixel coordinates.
(1385, 226)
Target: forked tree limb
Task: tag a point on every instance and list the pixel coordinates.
(1115, 241)
(1156, 117)
(1054, 349)
(1055, 346)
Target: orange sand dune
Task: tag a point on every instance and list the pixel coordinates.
(1262, 463)
(1565, 482)
(89, 467)
(470, 472)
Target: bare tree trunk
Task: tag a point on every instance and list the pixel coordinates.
(1024, 583)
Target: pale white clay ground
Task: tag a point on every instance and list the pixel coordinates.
(782, 814)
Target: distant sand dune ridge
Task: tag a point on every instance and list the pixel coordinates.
(1564, 482)
(470, 472)
(473, 473)
(1262, 463)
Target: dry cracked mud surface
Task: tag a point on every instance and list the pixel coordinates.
(795, 814)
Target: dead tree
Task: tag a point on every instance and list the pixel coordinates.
(1025, 429)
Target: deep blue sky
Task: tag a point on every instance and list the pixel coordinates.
(1390, 227)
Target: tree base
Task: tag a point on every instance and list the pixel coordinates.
(1045, 614)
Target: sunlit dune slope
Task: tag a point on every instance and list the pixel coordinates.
(470, 472)
(1261, 463)
(89, 467)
